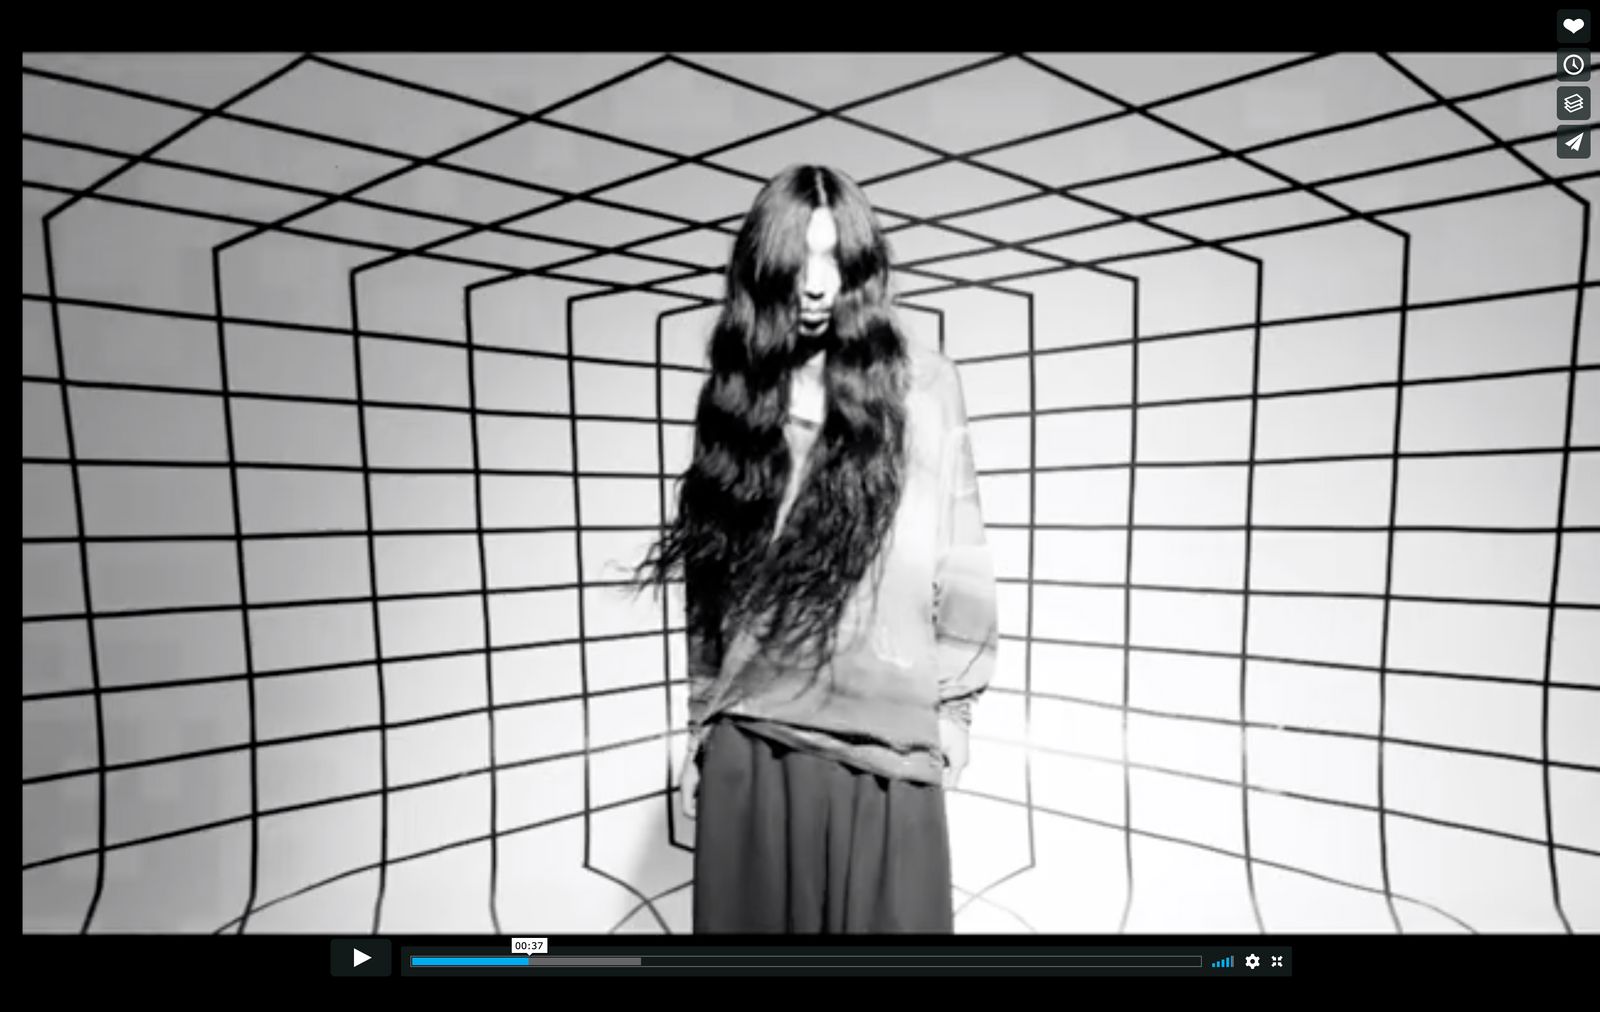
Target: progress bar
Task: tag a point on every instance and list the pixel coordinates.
(674, 961)
(526, 961)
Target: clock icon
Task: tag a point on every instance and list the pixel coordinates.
(1573, 64)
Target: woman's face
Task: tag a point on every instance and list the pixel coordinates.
(819, 281)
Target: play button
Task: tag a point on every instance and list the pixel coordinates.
(361, 957)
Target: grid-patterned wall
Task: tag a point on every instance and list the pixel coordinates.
(349, 380)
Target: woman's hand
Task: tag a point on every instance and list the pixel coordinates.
(689, 780)
(953, 738)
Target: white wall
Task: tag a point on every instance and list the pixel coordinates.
(258, 460)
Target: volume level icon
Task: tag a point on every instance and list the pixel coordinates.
(1223, 963)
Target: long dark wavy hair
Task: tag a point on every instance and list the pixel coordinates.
(791, 591)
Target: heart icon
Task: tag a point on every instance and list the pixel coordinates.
(1573, 25)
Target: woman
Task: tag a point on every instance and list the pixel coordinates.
(840, 596)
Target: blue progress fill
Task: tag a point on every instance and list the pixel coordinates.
(469, 961)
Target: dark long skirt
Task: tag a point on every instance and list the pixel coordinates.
(787, 841)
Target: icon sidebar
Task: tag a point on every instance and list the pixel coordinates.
(361, 957)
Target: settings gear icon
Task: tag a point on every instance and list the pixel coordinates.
(1252, 961)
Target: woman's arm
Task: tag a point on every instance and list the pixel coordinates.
(965, 611)
(704, 662)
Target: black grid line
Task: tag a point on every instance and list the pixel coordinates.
(247, 637)
(180, 464)
(487, 622)
(994, 284)
(1127, 605)
(83, 566)
(1244, 612)
(366, 472)
(1137, 648)
(1204, 400)
(334, 533)
(1509, 295)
